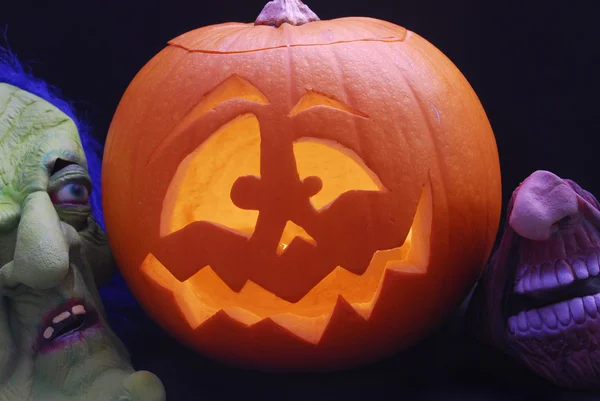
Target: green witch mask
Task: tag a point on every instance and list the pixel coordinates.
(55, 343)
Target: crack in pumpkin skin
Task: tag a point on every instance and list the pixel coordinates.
(263, 38)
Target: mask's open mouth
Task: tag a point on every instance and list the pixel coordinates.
(66, 322)
(565, 293)
(542, 298)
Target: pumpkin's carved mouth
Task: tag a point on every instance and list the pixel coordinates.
(205, 293)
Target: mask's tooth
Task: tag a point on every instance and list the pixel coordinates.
(580, 269)
(562, 312)
(536, 278)
(576, 307)
(48, 333)
(549, 277)
(549, 317)
(592, 264)
(597, 300)
(564, 273)
(519, 287)
(533, 316)
(512, 323)
(78, 310)
(527, 282)
(61, 317)
(590, 305)
(522, 321)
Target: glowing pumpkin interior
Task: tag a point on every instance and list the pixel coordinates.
(202, 190)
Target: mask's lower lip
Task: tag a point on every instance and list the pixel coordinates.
(67, 322)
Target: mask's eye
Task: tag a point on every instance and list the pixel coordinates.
(71, 193)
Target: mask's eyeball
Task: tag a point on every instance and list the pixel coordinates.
(71, 193)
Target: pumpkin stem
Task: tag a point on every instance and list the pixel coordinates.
(293, 12)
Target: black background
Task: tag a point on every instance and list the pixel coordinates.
(534, 65)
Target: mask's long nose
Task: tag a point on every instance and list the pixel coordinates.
(542, 200)
(41, 259)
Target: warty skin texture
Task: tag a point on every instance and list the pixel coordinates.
(52, 253)
(538, 298)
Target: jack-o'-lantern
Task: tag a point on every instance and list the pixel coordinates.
(300, 194)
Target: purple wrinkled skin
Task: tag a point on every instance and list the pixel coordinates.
(538, 299)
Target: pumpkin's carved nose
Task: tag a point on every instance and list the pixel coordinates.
(541, 202)
(250, 193)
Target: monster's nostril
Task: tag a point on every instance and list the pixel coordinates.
(561, 224)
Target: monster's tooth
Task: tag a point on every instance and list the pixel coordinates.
(536, 279)
(597, 300)
(562, 312)
(577, 311)
(512, 323)
(564, 273)
(61, 317)
(526, 282)
(519, 287)
(533, 316)
(548, 273)
(48, 333)
(590, 305)
(522, 321)
(580, 269)
(78, 310)
(592, 264)
(549, 317)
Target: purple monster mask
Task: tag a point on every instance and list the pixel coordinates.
(539, 297)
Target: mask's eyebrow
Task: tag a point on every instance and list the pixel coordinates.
(61, 164)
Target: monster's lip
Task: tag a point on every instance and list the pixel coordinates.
(66, 322)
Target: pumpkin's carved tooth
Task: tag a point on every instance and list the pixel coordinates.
(155, 271)
(343, 313)
(187, 300)
(309, 329)
(365, 309)
(242, 315)
(182, 292)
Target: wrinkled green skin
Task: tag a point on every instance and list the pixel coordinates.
(50, 253)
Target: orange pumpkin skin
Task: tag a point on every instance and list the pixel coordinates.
(391, 101)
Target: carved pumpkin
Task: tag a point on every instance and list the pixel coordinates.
(300, 194)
